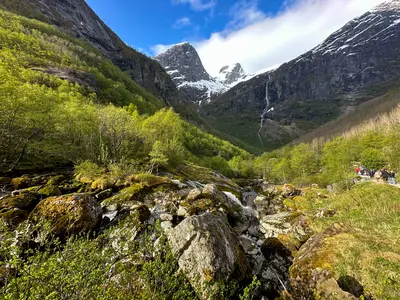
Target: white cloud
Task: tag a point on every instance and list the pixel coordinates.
(259, 41)
(244, 13)
(182, 22)
(197, 5)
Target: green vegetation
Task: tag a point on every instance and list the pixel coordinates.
(107, 267)
(374, 144)
(62, 102)
(369, 247)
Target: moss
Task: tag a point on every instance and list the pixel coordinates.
(124, 195)
(49, 190)
(149, 179)
(21, 182)
(102, 183)
(14, 217)
(5, 180)
(56, 180)
(26, 200)
(68, 214)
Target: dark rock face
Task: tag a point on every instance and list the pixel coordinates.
(77, 19)
(356, 63)
(183, 64)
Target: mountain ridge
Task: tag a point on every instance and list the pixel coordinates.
(356, 63)
(183, 63)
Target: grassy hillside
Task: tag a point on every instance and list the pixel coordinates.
(62, 101)
(355, 116)
(369, 246)
(374, 143)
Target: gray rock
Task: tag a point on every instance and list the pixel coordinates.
(208, 251)
(166, 217)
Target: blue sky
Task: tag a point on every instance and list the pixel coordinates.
(259, 34)
(145, 23)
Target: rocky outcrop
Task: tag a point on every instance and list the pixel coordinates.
(68, 214)
(208, 252)
(78, 20)
(358, 62)
(312, 270)
(231, 75)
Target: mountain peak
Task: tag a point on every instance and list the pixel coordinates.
(183, 64)
(232, 74)
(390, 5)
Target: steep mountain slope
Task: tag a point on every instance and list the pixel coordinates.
(231, 75)
(77, 19)
(356, 63)
(183, 64)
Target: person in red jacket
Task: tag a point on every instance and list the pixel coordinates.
(357, 170)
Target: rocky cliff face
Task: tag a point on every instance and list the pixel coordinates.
(77, 19)
(356, 63)
(231, 75)
(183, 64)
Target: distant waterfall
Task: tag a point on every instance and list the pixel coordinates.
(267, 109)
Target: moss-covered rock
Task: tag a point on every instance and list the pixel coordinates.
(14, 216)
(125, 195)
(49, 190)
(21, 182)
(68, 214)
(102, 183)
(313, 266)
(24, 200)
(5, 180)
(56, 180)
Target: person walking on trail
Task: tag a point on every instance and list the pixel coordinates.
(385, 175)
(392, 177)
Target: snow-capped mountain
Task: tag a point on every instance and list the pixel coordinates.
(356, 63)
(231, 75)
(183, 64)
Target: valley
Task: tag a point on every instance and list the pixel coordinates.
(129, 177)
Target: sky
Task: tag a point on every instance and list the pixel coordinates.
(259, 34)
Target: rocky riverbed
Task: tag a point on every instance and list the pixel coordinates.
(217, 230)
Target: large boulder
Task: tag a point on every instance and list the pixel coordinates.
(291, 228)
(22, 200)
(68, 214)
(313, 269)
(208, 252)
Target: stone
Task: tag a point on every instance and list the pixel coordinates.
(49, 190)
(26, 200)
(166, 226)
(313, 265)
(5, 180)
(290, 227)
(166, 217)
(14, 217)
(208, 251)
(102, 183)
(68, 214)
(56, 180)
(183, 212)
(104, 194)
(194, 194)
(21, 182)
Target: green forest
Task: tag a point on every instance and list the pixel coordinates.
(98, 114)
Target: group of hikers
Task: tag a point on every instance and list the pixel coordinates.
(382, 174)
